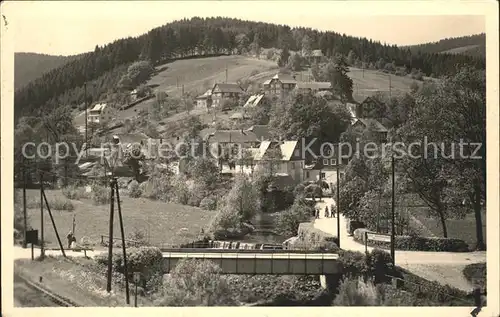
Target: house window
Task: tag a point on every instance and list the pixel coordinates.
(333, 162)
(307, 174)
(323, 176)
(293, 165)
(325, 162)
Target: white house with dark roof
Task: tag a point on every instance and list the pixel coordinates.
(100, 113)
(204, 101)
(285, 158)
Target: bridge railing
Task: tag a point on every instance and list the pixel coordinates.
(242, 251)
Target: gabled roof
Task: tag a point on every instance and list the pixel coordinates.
(287, 149)
(317, 53)
(261, 131)
(253, 100)
(313, 85)
(378, 127)
(99, 107)
(285, 78)
(206, 132)
(205, 95)
(233, 136)
(229, 87)
(132, 137)
(238, 115)
(370, 99)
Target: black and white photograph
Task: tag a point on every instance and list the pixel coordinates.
(250, 153)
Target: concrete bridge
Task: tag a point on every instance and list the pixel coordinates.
(284, 262)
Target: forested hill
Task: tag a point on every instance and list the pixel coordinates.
(474, 45)
(29, 66)
(197, 36)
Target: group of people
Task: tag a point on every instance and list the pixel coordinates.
(329, 213)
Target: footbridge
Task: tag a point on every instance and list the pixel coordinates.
(238, 261)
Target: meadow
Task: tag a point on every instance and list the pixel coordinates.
(163, 224)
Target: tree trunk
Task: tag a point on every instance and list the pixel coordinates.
(443, 222)
(480, 245)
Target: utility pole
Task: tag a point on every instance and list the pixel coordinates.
(25, 223)
(110, 246)
(338, 203)
(226, 75)
(42, 250)
(393, 213)
(127, 294)
(86, 120)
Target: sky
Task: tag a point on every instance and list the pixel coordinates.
(72, 27)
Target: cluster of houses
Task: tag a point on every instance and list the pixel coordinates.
(280, 85)
(285, 157)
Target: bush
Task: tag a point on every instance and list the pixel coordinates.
(476, 274)
(313, 238)
(196, 283)
(355, 292)
(73, 192)
(146, 260)
(134, 191)
(59, 204)
(288, 222)
(100, 195)
(434, 291)
(416, 243)
(139, 239)
(208, 203)
(390, 295)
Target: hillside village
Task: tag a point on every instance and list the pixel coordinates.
(207, 147)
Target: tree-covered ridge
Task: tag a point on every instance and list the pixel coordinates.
(474, 45)
(30, 66)
(200, 37)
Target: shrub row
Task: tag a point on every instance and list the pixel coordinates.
(146, 260)
(374, 265)
(433, 291)
(416, 243)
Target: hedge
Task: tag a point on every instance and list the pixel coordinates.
(415, 243)
(475, 273)
(433, 291)
(147, 260)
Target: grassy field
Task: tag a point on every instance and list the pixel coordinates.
(464, 229)
(163, 223)
(198, 75)
(368, 82)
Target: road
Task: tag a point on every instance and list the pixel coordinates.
(431, 265)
